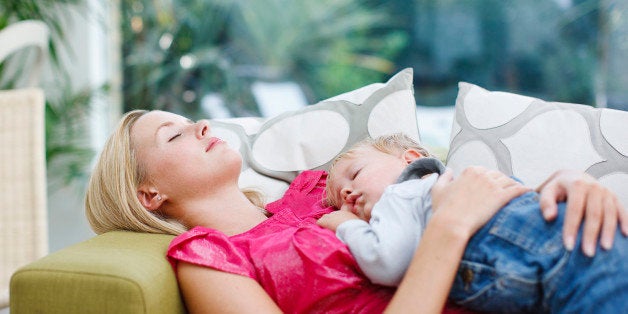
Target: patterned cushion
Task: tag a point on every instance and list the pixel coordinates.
(276, 150)
(531, 138)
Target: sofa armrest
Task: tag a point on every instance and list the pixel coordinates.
(115, 272)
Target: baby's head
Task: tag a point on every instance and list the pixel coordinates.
(358, 176)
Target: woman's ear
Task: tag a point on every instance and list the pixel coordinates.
(150, 198)
(410, 155)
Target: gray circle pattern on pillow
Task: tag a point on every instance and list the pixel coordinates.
(311, 138)
(530, 138)
(236, 133)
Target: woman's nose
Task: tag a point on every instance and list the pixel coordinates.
(202, 128)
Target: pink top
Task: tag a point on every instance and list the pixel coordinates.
(303, 267)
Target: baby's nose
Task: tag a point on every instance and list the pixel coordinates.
(344, 193)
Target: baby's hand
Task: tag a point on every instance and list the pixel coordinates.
(332, 220)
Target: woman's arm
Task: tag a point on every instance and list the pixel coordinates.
(206, 290)
(461, 207)
(586, 200)
(427, 282)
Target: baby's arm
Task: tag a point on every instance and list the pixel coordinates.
(334, 219)
(384, 247)
(382, 256)
(378, 262)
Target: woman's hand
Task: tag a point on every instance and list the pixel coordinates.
(586, 199)
(461, 206)
(474, 197)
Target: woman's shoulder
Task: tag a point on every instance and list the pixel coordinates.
(211, 248)
(195, 241)
(196, 232)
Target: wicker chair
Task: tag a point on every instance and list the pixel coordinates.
(23, 218)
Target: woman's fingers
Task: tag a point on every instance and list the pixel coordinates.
(442, 181)
(551, 194)
(589, 205)
(609, 224)
(510, 188)
(593, 219)
(622, 214)
(446, 177)
(577, 204)
(472, 198)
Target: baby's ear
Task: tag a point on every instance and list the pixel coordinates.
(411, 155)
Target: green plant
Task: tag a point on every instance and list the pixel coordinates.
(68, 148)
(328, 46)
(67, 151)
(51, 12)
(180, 50)
(170, 49)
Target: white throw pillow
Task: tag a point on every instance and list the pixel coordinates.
(276, 150)
(530, 138)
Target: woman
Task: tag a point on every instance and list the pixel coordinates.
(162, 173)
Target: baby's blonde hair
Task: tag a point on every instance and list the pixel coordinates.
(111, 201)
(393, 144)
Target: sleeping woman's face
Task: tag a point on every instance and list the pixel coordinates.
(180, 157)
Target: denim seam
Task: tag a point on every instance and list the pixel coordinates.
(549, 276)
(477, 294)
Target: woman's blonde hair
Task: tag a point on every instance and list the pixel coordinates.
(393, 144)
(111, 201)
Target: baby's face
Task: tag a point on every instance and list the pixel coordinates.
(360, 179)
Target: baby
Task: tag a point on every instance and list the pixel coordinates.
(516, 262)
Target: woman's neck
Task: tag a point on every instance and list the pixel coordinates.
(228, 211)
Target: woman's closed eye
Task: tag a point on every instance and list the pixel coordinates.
(174, 137)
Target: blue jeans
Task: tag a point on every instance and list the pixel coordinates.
(517, 263)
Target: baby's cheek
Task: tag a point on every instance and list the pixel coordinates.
(366, 215)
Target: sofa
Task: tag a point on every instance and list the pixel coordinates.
(115, 272)
(126, 272)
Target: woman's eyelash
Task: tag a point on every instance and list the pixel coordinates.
(175, 136)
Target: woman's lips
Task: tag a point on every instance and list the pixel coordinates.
(213, 142)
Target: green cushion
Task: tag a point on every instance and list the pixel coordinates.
(116, 272)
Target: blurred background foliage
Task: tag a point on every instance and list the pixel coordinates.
(68, 150)
(175, 52)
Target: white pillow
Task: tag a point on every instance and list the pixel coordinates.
(237, 132)
(530, 138)
(275, 150)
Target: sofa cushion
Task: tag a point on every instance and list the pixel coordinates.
(531, 138)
